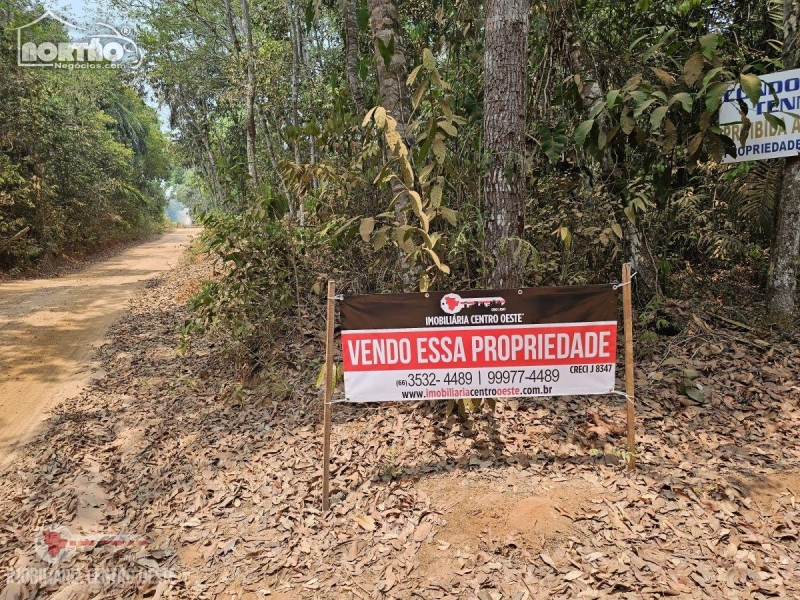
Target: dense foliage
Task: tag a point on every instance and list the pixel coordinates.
(349, 139)
(302, 178)
(82, 157)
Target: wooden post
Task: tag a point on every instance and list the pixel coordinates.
(627, 313)
(326, 409)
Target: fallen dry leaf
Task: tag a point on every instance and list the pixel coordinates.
(367, 523)
(422, 531)
(224, 478)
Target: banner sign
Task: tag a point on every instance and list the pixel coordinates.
(780, 98)
(527, 342)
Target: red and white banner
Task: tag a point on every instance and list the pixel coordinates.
(479, 345)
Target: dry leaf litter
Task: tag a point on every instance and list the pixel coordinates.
(532, 501)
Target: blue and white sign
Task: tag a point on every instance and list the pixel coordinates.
(780, 98)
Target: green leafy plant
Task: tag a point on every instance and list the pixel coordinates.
(260, 283)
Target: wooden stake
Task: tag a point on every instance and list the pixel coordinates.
(326, 409)
(627, 313)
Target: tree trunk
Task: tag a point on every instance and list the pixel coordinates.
(217, 195)
(584, 66)
(296, 203)
(641, 259)
(250, 119)
(395, 99)
(351, 35)
(505, 61)
(391, 81)
(273, 159)
(296, 58)
(786, 244)
(232, 29)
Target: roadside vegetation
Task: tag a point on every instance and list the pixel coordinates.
(364, 141)
(408, 146)
(82, 157)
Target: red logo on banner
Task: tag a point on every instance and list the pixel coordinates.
(453, 303)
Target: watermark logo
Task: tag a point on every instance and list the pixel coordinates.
(453, 303)
(57, 542)
(100, 47)
(94, 577)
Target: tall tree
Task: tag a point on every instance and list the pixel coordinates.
(394, 97)
(297, 58)
(505, 61)
(298, 62)
(250, 99)
(351, 41)
(785, 247)
(391, 61)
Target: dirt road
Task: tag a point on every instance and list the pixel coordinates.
(50, 327)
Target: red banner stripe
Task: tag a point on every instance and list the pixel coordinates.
(466, 348)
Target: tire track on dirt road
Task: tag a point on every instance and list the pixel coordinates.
(50, 328)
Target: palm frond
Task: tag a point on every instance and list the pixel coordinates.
(751, 198)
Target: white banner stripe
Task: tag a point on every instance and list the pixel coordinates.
(492, 382)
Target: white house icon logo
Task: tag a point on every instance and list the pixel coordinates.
(102, 47)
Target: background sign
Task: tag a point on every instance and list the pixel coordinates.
(780, 98)
(489, 343)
